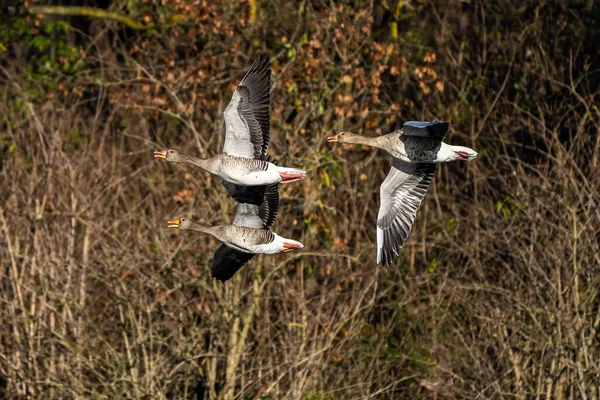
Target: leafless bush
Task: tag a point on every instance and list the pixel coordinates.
(494, 296)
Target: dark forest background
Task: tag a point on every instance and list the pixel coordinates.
(496, 292)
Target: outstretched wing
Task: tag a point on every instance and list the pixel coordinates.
(247, 119)
(227, 262)
(401, 195)
(245, 194)
(435, 130)
(259, 217)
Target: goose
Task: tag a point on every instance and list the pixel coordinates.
(247, 235)
(416, 148)
(244, 162)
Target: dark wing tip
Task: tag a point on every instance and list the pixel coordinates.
(227, 262)
(259, 73)
(261, 60)
(267, 211)
(245, 194)
(258, 82)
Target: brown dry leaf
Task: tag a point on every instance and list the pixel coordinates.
(429, 57)
(424, 88)
(338, 357)
(439, 85)
(429, 71)
(419, 72)
(347, 79)
(363, 177)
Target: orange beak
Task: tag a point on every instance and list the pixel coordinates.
(291, 246)
(333, 139)
(160, 154)
(173, 223)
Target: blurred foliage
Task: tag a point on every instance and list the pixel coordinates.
(494, 295)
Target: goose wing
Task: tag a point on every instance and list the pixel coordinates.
(245, 194)
(259, 217)
(435, 130)
(227, 262)
(247, 119)
(401, 195)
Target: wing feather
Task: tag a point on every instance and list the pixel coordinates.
(247, 118)
(259, 217)
(435, 130)
(401, 195)
(227, 261)
(245, 194)
(258, 81)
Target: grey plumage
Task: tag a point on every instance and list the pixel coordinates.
(252, 223)
(401, 195)
(420, 149)
(249, 194)
(247, 119)
(416, 148)
(258, 82)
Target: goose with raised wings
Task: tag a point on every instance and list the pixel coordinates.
(416, 149)
(244, 162)
(247, 235)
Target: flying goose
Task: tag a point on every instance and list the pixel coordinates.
(248, 234)
(243, 162)
(416, 148)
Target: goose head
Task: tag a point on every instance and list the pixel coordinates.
(169, 155)
(180, 223)
(346, 137)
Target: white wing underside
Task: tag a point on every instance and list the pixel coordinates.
(238, 141)
(247, 118)
(247, 215)
(401, 195)
(259, 217)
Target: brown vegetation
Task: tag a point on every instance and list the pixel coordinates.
(496, 292)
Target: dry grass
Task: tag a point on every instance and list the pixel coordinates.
(495, 294)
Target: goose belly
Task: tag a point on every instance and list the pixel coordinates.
(247, 177)
(244, 244)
